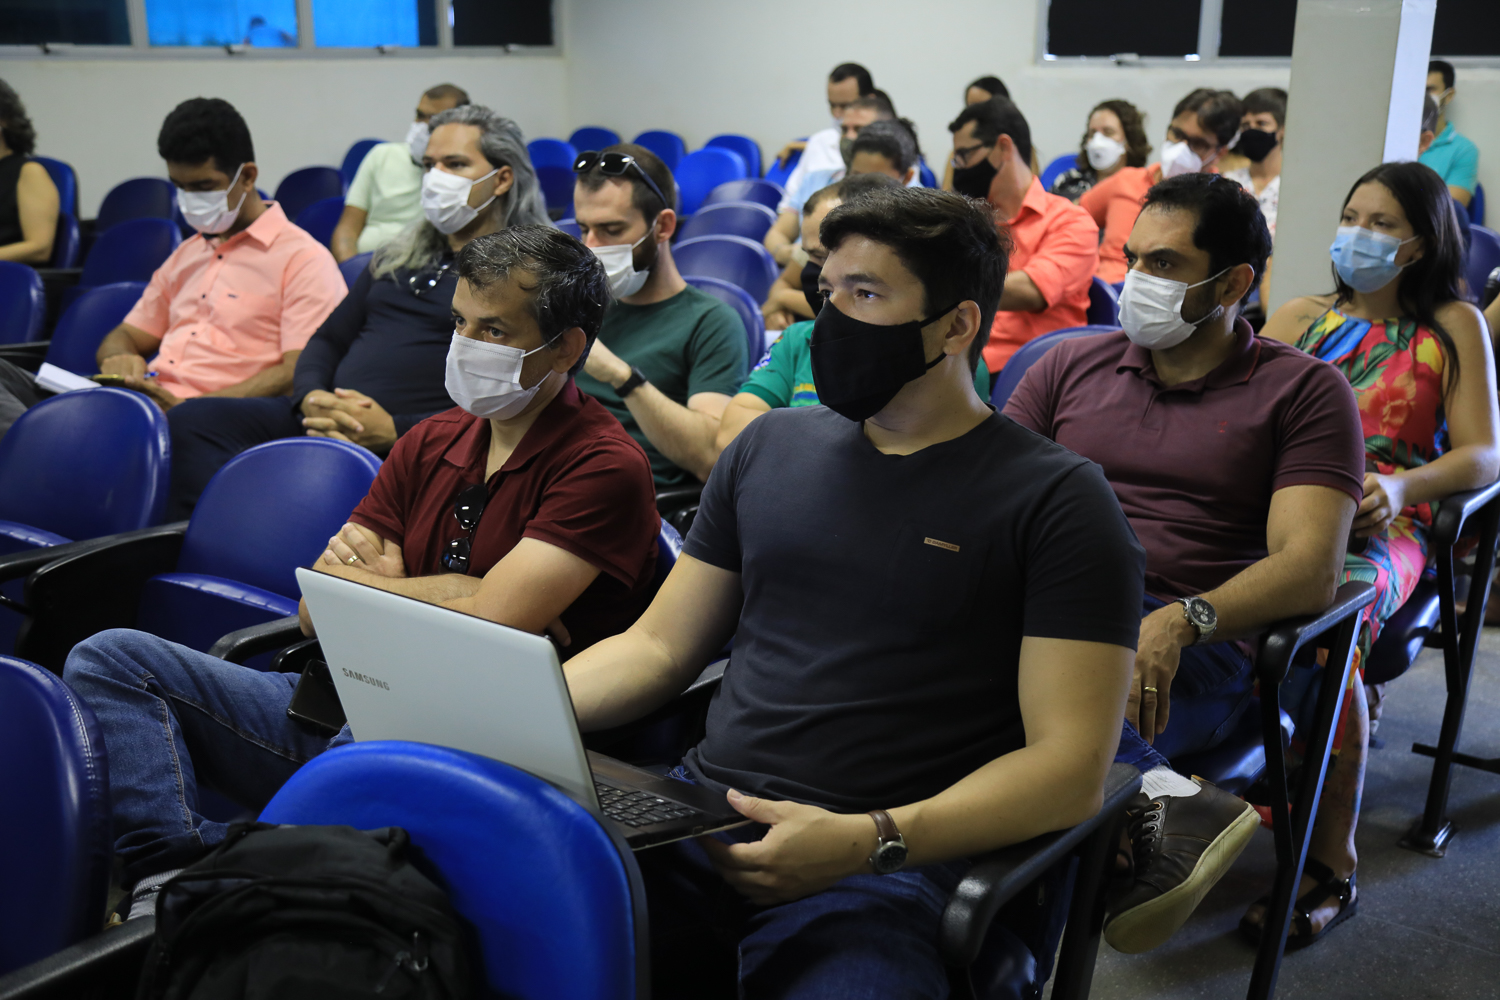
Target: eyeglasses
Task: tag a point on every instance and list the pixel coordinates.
(961, 156)
(420, 285)
(616, 165)
(468, 507)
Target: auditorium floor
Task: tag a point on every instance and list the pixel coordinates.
(1426, 928)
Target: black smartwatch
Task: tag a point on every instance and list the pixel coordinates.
(890, 848)
(635, 381)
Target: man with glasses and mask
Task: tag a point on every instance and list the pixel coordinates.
(1239, 463)
(1453, 156)
(669, 357)
(1055, 245)
(527, 505)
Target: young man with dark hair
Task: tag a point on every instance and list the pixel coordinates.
(566, 533)
(1055, 245)
(903, 530)
(669, 357)
(1453, 156)
(1262, 131)
(1239, 463)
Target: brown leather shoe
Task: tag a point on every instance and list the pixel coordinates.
(1182, 847)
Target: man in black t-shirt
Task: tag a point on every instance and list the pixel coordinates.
(934, 613)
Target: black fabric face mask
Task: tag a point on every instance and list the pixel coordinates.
(859, 367)
(810, 273)
(1255, 145)
(974, 181)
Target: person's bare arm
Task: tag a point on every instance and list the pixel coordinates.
(743, 408)
(786, 297)
(124, 350)
(37, 205)
(345, 242)
(782, 236)
(1461, 195)
(1021, 294)
(1492, 320)
(1291, 321)
(274, 381)
(791, 148)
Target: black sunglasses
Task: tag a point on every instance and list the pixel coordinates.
(616, 165)
(420, 284)
(468, 507)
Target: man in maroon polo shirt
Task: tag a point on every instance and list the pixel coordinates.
(529, 506)
(1239, 463)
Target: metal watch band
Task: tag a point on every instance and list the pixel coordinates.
(885, 827)
(635, 381)
(1187, 612)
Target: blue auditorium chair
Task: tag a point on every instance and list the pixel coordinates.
(1059, 166)
(668, 146)
(66, 241)
(83, 327)
(744, 306)
(130, 251)
(553, 161)
(301, 188)
(925, 176)
(1006, 379)
(320, 218)
(570, 226)
(747, 147)
(700, 172)
(1476, 206)
(56, 849)
(551, 153)
(355, 157)
(22, 303)
(354, 267)
(1104, 304)
(777, 172)
(65, 178)
(758, 190)
(733, 258)
(729, 218)
(137, 198)
(593, 137)
(1484, 257)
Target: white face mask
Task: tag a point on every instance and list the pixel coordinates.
(1103, 152)
(1151, 310)
(445, 199)
(416, 140)
(1177, 159)
(485, 379)
(619, 265)
(209, 211)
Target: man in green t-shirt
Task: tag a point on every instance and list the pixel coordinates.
(669, 357)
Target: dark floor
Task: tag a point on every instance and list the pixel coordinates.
(1426, 928)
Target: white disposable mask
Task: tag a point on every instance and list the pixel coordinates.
(209, 211)
(1177, 159)
(416, 140)
(619, 265)
(1103, 152)
(445, 199)
(485, 379)
(1151, 310)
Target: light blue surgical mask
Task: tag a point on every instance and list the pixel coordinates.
(1365, 259)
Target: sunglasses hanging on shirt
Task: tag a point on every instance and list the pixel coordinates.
(468, 508)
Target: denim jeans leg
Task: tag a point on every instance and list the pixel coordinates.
(1136, 752)
(172, 717)
(1209, 693)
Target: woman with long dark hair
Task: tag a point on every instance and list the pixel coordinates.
(1114, 138)
(1417, 353)
(28, 198)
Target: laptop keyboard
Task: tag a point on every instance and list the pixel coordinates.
(635, 808)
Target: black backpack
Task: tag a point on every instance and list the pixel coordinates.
(292, 912)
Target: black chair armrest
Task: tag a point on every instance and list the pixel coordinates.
(1282, 641)
(22, 564)
(240, 645)
(106, 966)
(59, 277)
(28, 356)
(1000, 875)
(668, 502)
(1454, 511)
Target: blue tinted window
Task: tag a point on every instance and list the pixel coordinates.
(263, 24)
(81, 22)
(368, 23)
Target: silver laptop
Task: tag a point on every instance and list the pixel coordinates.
(407, 670)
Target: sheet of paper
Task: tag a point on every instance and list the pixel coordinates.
(55, 379)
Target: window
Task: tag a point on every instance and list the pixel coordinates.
(371, 23)
(1109, 27)
(260, 24)
(502, 22)
(1257, 28)
(1466, 28)
(79, 22)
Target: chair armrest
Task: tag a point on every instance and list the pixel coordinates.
(240, 645)
(1454, 511)
(670, 501)
(28, 356)
(22, 564)
(59, 277)
(998, 876)
(1281, 642)
(106, 966)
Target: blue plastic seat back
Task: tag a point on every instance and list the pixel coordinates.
(273, 508)
(352, 268)
(55, 845)
(925, 176)
(668, 548)
(593, 137)
(557, 187)
(551, 153)
(758, 190)
(668, 146)
(1476, 206)
(747, 147)
(66, 241)
(570, 226)
(320, 218)
(87, 463)
(1104, 304)
(65, 179)
(730, 218)
(700, 172)
(355, 157)
(744, 306)
(1484, 257)
(301, 188)
(732, 258)
(22, 304)
(1009, 377)
(77, 336)
(1059, 166)
(556, 903)
(777, 172)
(137, 198)
(130, 251)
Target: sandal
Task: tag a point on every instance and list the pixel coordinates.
(1301, 933)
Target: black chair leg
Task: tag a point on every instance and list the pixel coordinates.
(1080, 946)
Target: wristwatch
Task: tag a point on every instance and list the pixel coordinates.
(890, 847)
(1201, 615)
(635, 381)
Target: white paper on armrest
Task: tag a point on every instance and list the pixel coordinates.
(55, 379)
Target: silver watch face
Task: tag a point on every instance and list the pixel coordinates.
(1202, 614)
(888, 857)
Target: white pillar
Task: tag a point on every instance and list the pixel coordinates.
(1359, 71)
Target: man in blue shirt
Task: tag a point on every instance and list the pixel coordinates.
(1453, 156)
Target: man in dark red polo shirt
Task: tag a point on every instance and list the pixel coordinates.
(529, 506)
(1239, 463)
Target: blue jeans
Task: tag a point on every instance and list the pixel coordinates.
(173, 718)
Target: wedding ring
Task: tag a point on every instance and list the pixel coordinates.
(354, 559)
(1151, 689)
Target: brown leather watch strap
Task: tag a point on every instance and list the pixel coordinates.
(885, 826)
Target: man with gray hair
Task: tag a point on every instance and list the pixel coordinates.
(562, 539)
